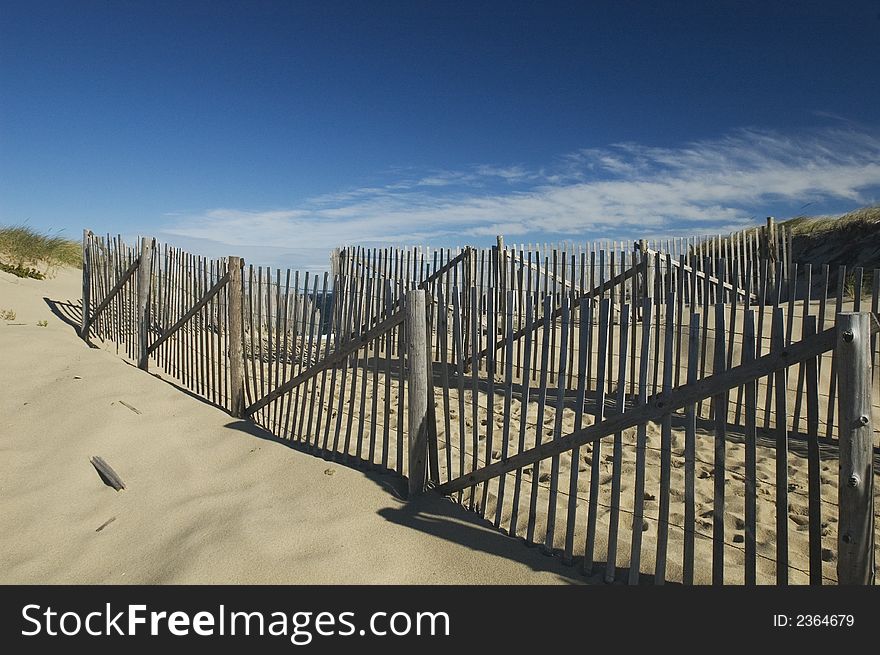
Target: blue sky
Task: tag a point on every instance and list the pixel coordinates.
(278, 130)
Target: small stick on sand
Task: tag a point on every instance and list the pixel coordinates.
(131, 407)
(105, 524)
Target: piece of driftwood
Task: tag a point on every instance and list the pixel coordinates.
(108, 475)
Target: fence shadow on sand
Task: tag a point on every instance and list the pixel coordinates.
(70, 312)
(436, 516)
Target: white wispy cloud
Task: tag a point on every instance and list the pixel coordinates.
(620, 191)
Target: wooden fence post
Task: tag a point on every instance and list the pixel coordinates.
(86, 282)
(855, 540)
(420, 428)
(233, 322)
(144, 280)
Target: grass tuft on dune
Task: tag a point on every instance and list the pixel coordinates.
(863, 218)
(25, 252)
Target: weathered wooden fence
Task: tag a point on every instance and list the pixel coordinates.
(717, 377)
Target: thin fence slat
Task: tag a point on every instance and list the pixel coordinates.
(262, 356)
(525, 382)
(460, 358)
(443, 342)
(776, 306)
(278, 356)
(290, 348)
(584, 331)
(617, 448)
(875, 309)
(386, 418)
(595, 455)
(374, 396)
(551, 260)
(539, 423)
(317, 321)
(751, 480)
(641, 449)
(679, 318)
(401, 387)
(704, 339)
(345, 310)
(690, 448)
(720, 460)
(557, 424)
(355, 366)
(249, 350)
(364, 362)
(832, 387)
(475, 320)
(798, 399)
(665, 450)
(508, 402)
(332, 326)
(746, 308)
(305, 357)
(213, 331)
(572, 297)
(814, 481)
(490, 394)
(781, 431)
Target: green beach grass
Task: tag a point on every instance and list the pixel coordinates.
(26, 252)
(866, 217)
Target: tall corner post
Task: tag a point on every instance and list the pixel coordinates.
(234, 322)
(144, 282)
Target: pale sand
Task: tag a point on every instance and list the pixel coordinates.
(207, 500)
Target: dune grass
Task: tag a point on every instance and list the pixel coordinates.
(866, 217)
(26, 252)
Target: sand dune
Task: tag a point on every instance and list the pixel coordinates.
(209, 499)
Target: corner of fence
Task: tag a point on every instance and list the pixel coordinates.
(144, 284)
(235, 354)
